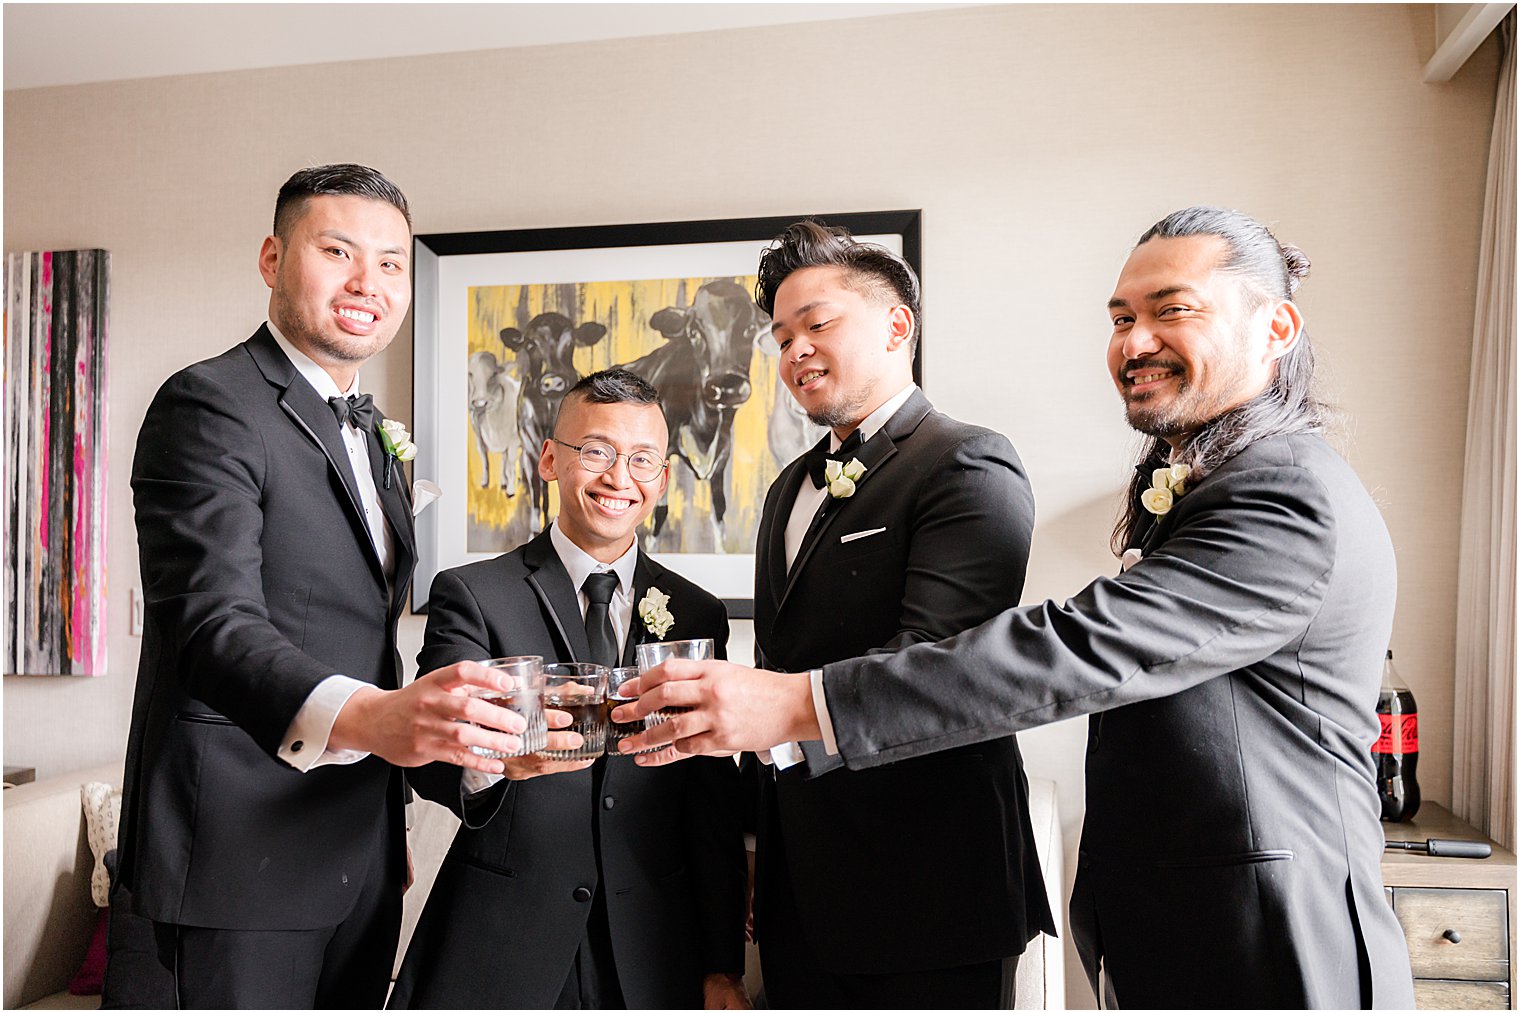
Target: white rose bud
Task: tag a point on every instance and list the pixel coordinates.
(406, 450)
(1161, 478)
(1157, 501)
(1180, 473)
(841, 488)
(833, 471)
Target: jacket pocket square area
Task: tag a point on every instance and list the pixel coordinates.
(856, 536)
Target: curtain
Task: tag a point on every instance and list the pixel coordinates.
(1483, 768)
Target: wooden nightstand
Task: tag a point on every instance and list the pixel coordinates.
(1458, 915)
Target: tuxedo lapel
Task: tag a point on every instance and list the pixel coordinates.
(309, 413)
(547, 577)
(873, 455)
(772, 574)
(394, 501)
(645, 573)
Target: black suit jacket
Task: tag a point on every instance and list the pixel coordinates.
(260, 581)
(1231, 847)
(501, 926)
(928, 863)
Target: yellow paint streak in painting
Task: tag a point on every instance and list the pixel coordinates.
(625, 308)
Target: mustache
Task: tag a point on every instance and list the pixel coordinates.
(1150, 365)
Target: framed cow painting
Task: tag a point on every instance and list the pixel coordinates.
(506, 322)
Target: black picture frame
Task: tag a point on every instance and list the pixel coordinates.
(445, 264)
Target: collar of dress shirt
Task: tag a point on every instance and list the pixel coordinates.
(315, 374)
(579, 564)
(872, 423)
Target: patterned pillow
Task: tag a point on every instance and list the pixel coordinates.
(102, 811)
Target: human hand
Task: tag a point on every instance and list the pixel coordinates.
(432, 718)
(729, 709)
(724, 991)
(522, 768)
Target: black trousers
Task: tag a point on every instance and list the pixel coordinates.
(343, 966)
(796, 979)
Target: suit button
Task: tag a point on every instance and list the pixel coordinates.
(581, 894)
(1084, 860)
(295, 747)
(608, 802)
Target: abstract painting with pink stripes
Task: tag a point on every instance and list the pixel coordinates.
(54, 466)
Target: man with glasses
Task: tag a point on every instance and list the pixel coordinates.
(607, 885)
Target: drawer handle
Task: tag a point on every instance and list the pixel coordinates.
(1452, 935)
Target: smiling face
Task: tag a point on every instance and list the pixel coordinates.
(340, 280)
(844, 352)
(1188, 343)
(599, 512)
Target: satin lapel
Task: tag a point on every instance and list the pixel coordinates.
(874, 453)
(302, 405)
(772, 574)
(394, 501)
(547, 576)
(645, 573)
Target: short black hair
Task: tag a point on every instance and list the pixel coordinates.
(344, 179)
(611, 386)
(810, 243)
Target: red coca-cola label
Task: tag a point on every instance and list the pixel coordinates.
(1400, 734)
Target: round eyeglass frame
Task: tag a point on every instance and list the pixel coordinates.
(590, 466)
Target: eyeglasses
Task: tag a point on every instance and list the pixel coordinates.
(597, 457)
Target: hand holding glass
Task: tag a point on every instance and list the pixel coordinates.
(579, 690)
(522, 680)
(651, 655)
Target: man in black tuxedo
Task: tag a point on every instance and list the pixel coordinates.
(916, 884)
(1230, 854)
(262, 826)
(606, 885)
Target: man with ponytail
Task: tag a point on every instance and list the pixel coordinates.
(1230, 852)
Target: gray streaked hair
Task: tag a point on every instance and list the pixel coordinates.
(1268, 271)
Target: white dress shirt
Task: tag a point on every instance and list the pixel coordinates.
(314, 721)
(580, 565)
(809, 499)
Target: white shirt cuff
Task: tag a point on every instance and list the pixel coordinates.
(305, 744)
(788, 754)
(476, 781)
(821, 707)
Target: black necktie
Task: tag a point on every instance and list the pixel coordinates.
(818, 458)
(357, 410)
(599, 632)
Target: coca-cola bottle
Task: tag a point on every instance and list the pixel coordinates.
(1397, 750)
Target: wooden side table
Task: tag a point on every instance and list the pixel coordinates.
(1458, 915)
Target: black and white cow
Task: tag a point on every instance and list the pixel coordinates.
(494, 393)
(702, 372)
(546, 371)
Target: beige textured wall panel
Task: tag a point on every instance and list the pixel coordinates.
(1040, 141)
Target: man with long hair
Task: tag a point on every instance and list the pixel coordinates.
(1230, 852)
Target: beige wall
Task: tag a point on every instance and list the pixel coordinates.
(1039, 141)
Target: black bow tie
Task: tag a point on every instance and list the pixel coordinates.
(357, 410)
(818, 458)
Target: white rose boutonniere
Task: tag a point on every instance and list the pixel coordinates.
(841, 478)
(657, 618)
(1166, 485)
(398, 445)
(396, 440)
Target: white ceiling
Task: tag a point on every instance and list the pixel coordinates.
(57, 43)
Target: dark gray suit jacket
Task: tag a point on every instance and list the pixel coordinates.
(1230, 854)
(260, 581)
(510, 904)
(929, 863)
